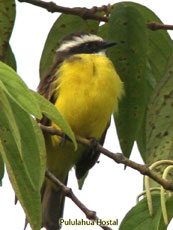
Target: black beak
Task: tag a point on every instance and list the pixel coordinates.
(108, 44)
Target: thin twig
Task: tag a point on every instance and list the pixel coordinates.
(117, 157)
(159, 26)
(91, 215)
(83, 12)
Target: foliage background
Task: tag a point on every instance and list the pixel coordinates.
(30, 32)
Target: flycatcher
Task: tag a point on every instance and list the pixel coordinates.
(85, 88)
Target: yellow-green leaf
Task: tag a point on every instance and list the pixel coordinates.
(18, 91)
(6, 108)
(26, 169)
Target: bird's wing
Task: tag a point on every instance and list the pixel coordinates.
(47, 87)
(89, 157)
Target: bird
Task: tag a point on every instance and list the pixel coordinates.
(84, 86)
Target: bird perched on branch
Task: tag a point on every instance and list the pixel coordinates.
(85, 88)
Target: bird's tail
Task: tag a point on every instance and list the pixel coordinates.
(52, 205)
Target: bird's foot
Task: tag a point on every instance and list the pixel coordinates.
(94, 144)
(64, 138)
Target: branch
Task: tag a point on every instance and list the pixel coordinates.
(91, 215)
(85, 13)
(117, 157)
(158, 26)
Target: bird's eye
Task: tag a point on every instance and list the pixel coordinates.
(87, 44)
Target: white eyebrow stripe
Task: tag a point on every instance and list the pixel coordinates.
(78, 41)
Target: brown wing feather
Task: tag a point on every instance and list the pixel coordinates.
(47, 86)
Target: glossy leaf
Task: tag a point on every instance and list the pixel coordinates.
(50, 111)
(138, 217)
(18, 91)
(127, 27)
(65, 24)
(26, 171)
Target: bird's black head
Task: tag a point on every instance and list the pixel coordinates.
(86, 43)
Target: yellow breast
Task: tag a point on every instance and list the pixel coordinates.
(88, 92)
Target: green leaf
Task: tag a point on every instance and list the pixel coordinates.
(41, 148)
(159, 52)
(82, 180)
(18, 91)
(7, 17)
(26, 172)
(138, 217)
(10, 58)
(6, 108)
(50, 111)
(103, 31)
(33, 147)
(159, 42)
(65, 24)
(169, 207)
(141, 137)
(1, 169)
(127, 27)
(159, 126)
